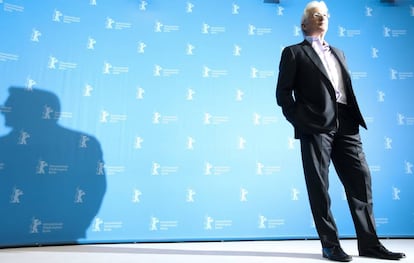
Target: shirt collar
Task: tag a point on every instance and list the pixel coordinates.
(315, 41)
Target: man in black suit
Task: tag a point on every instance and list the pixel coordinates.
(315, 92)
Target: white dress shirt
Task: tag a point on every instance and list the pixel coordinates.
(331, 65)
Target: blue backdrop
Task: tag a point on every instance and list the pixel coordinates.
(152, 120)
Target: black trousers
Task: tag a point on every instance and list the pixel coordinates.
(344, 148)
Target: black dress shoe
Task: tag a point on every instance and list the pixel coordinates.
(336, 254)
(380, 252)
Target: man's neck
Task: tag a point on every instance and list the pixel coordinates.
(318, 38)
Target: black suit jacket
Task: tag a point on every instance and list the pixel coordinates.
(306, 94)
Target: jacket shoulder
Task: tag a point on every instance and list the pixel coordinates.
(296, 46)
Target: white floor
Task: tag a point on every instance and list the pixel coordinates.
(302, 251)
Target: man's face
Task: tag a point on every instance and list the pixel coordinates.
(317, 22)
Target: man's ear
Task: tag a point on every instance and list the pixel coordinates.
(303, 27)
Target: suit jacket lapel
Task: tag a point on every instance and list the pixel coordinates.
(345, 72)
(308, 49)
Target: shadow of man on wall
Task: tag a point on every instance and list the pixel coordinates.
(52, 179)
